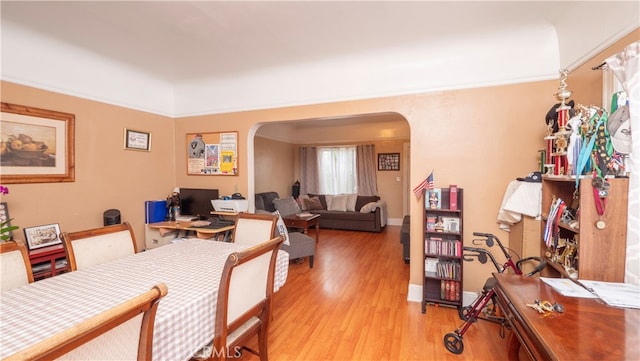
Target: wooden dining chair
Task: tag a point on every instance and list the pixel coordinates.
(94, 246)
(124, 332)
(244, 301)
(15, 267)
(253, 228)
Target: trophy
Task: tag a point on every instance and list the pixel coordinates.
(561, 141)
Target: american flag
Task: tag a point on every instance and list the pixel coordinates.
(426, 184)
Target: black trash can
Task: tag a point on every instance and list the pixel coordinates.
(111, 216)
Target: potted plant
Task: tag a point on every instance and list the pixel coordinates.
(5, 226)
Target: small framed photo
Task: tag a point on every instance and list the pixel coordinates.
(42, 236)
(388, 161)
(451, 224)
(137, 140)
(434, 199)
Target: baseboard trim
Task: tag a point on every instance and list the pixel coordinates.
(394, 221)
(414, 294)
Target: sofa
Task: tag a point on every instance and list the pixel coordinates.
(345, 212)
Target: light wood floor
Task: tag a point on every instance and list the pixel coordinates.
(353, 306)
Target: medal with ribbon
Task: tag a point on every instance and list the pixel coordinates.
(600, 193)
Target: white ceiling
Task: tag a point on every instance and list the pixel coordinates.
(195, 57)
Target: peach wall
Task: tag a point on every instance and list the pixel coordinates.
(107, 176)
(274, 165)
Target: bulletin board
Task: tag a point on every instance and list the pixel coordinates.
(212, 153)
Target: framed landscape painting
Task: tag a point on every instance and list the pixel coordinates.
(37, 145)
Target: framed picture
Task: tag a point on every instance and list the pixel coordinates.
(42, 236)
(37, 145)
(451, 224)
(388, 161)
(434, 199)
(137, 140)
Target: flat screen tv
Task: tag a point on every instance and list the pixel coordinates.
(197, 202)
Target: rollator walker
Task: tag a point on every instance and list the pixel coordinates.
(485, 306)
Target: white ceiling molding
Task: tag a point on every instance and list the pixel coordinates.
(255, 55)
(477, 60)
(28, 58)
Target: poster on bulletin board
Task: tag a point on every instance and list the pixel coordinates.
(212, 153)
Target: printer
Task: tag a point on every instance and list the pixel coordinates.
(230, 205)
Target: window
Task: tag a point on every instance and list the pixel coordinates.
(337, 170)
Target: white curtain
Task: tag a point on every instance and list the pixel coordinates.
(366, 165)
(625, 67)
(338, 170)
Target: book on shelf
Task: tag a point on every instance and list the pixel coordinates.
(430, 267)
(453, 197)
(431, 223)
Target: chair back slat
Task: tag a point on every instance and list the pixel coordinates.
(15, 267)
(251, 229)
(248, 286)
(123, 332)
(94, 246)
(244, 298)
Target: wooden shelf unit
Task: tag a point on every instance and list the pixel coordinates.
(439, 288)
(601, 252)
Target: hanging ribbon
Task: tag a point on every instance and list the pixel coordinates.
(551, 227)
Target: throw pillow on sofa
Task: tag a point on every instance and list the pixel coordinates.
(338, 203)
(369, 207)
(313, 204)
(286, 206)
(351, 202)
(301, 200)
(362, 200)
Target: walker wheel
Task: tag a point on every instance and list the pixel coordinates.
(453, 343)
(463, 312)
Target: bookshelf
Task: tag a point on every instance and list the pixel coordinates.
(596, 253)
(443, 264)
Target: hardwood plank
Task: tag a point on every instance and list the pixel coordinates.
(353, 306)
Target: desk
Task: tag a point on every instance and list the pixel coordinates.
(185, 318)
(303, 223)
(201, 232)
(587, 330)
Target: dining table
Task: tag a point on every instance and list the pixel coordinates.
(190, 267)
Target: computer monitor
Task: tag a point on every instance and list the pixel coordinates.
(197, 202)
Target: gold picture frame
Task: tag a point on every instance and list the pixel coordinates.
(37, 145)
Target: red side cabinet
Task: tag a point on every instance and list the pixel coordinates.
(48, 261)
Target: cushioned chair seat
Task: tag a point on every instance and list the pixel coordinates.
(300, 246)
